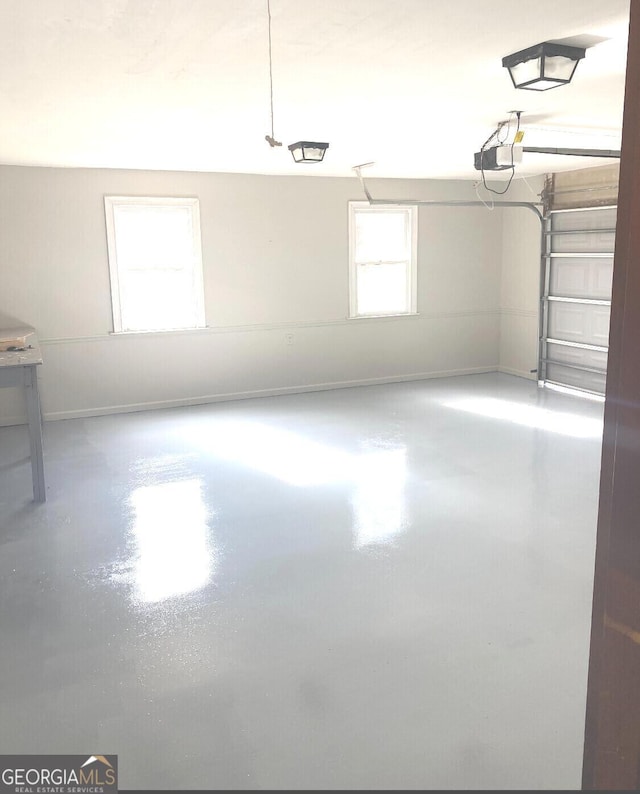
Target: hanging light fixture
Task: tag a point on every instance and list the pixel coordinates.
(302, 151)
(543, 66)
(308, 151)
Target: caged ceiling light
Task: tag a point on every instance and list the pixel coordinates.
(308, 151)
(302, 151)
(543, 66)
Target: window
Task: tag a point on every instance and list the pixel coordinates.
(155, 263)
(382, 254)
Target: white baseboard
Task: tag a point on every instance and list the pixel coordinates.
(301, 389)
(519, 373)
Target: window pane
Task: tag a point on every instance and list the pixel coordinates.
(381, 236)
(523, 72)
(382, 289)
(153, 301)
(557, 66)
(154, 256)
(153, 237)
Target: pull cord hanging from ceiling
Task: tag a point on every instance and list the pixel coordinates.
(271, 139)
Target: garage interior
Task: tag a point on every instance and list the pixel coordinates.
(301, 544)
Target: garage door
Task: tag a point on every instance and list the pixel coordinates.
(576, 299)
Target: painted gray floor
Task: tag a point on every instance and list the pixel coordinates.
(383, 587)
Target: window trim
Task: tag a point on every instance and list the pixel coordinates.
(412, 280)
(110, 202)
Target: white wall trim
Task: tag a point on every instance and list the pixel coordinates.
(239, 329)
(508, 312)
(10, 421)
(300, 389)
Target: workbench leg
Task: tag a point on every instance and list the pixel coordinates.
(35, 433)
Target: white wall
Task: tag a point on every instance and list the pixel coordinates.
(275, 253)
(520, 283)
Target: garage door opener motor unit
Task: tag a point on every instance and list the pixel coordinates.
(498, 158)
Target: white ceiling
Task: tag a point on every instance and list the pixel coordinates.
(414, 85)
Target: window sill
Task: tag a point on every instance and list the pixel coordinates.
(161, 331)
(383, 316)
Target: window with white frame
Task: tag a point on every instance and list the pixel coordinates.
(155, 262)
(382, 259)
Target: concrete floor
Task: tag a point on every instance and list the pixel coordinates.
(383, 587)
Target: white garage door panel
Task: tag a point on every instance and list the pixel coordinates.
(574, 377)
(578, 356)
(578, 275)
(584, 219)
(581, 278)
(575, 322)
(590, 243)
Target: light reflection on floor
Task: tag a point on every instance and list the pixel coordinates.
(290, 457)
(379, 500)
(173, 553)
(375, 476)
(534, 416)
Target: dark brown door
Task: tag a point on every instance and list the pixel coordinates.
(612, 738)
